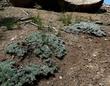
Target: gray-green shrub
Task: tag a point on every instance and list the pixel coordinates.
(10, 75)
(41, 44)
(86, 27)
(17, 49)
(46, 45)
(9, 23)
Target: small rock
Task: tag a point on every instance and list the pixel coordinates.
(3, 27)
(99, 22)
(106, 39)
(48, 82)
(13, 38)
(60, 77)
(71, 68)
(95, 54)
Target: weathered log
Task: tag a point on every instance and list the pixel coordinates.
(72, 5)
(84, 5)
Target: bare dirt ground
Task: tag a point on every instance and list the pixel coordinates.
(87, 62)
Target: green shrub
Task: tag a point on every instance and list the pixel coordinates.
(46, 45)
(7, 71)
(17, 49)
(86, 27)
(9, 23)
(12, 76)
(41, 44)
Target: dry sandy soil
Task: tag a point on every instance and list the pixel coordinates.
(87, 62)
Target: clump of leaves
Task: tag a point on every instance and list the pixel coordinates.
(46, 45)
(7, 71)
(17, 49)
(41, 44)
(86, 27)
(66, 19)
(12, 76)
(9, 23)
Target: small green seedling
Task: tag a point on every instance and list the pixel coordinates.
(37, 20)
(66, 19)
